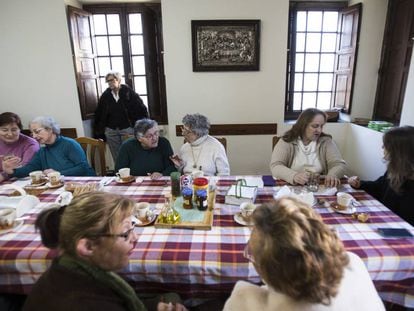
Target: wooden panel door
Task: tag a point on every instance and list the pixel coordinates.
(84, 59)
(395, 61)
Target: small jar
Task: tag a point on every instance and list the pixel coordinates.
(187, 194)
(201, 199)
(199, 183)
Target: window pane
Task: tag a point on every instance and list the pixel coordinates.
(328, 42)
(102, 46)
(312, 62)
(300, 42)
(113, 24)
(297, 101)
(330, 21)
(145, 100)
(313, 42)
(324, 101)
(299, 62)
(99, 24)
(327, 62)
(301, 21)
(138, 65)
(314, 21)
(310, 82)
(118, 64)
(115, 45)
(137, 45)
(140, 85)
(309, 100)
(135, 25)
(325, 82)
(104, 65)
(104, 85)
(298, 82)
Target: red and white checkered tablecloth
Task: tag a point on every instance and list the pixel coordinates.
(207, 264)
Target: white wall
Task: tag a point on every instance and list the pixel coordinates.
(407, 114)
(35, 58)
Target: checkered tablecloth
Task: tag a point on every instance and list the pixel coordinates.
(207, 264)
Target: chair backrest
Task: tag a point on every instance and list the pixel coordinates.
(223, 141)
(275, 139)
(90, 146)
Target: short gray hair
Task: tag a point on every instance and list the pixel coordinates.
(47, 123)
(142, 126)
(117, 75)
(197, 123)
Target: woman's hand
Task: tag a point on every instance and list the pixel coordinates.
(301, 178)
(332, 181)
(162, 306)
(155, 175)
(176, 160)
(354, 182)
(10, 163)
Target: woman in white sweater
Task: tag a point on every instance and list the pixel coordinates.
(303, 263)
(201, 152)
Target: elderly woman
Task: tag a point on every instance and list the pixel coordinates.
(147, 153)
(15, 147)
(303, 264)
(119, 107)
(201, 151)
(59, 153)
(95, 236)
(395, 189)
(306, 147)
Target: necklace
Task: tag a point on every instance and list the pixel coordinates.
(198, 157)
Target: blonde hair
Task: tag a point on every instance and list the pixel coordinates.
(299, 255)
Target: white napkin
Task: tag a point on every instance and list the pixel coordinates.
(64, 198)
(326, 191)
(306, 197)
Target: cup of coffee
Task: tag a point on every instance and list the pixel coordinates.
(124, 173)
(54, 178)
(36, 177)
(246, 210)
(142, 210)
(344, 200)
(7, 217)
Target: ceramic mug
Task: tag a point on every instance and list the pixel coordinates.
(344, 200)
(142, 210)
(54, 178)
(247, 209)
(124, 173)
(36, 177)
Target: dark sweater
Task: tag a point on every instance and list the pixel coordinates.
(143, 161)
(118, 115)
(402, 204)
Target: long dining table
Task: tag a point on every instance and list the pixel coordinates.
(203, 264)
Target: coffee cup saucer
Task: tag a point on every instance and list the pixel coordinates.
(238, 217)
(60, 184)
(128, 180)
(348, 211)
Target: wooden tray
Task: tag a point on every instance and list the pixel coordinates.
(205, 224)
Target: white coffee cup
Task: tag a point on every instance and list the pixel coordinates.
(54, 178)
(7, 217)
(344, 200)
(247, 209)
(36, 177)
(142, 210)
(124, 173)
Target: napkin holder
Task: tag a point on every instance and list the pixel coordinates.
(240, 192)
(22, 203)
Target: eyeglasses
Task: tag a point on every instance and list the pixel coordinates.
(185, 130)
(151, 136)
(126, 235)
(36, 131)
(110, 80)
(247, 254)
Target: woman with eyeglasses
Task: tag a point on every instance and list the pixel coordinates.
(146, 154)
(15, 147)
(303, 264)
(119, 107)
(58, 153)
(200, 152)
(95, 236)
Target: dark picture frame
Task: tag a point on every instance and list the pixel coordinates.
(226, 45)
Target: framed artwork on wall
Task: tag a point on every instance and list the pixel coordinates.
(225, 45)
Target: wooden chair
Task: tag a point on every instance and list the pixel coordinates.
(275, 139)
(223, 141)
(90, 146)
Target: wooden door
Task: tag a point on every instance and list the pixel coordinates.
(395, 61)
(84, 59)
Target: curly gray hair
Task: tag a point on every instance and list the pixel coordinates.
(117, 75)
(198, 124)
(47, 123)
(142, 126)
